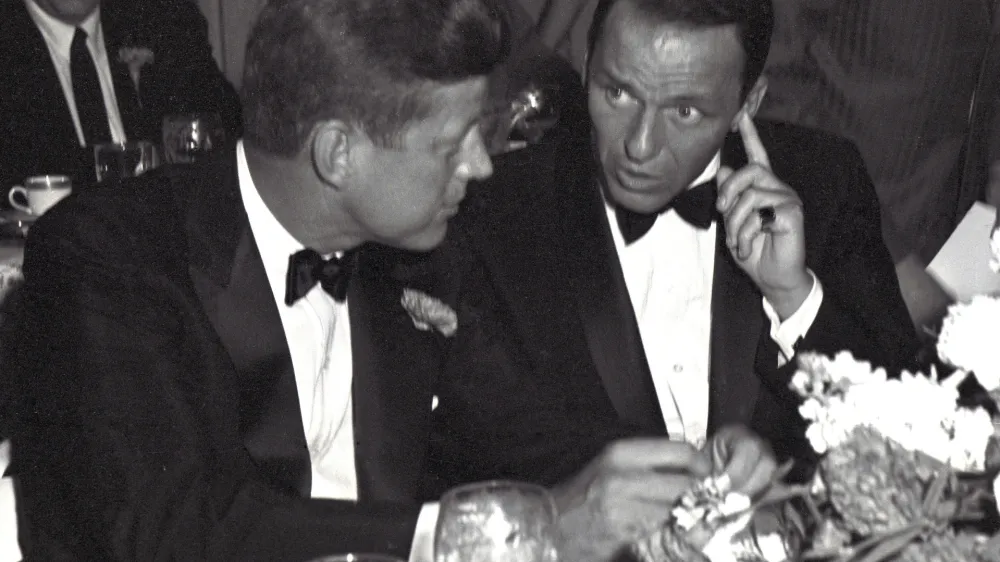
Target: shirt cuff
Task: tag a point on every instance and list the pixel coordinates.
(422, 549)
(786, 334)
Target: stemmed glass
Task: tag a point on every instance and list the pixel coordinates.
(187, 137)
(522, 120)
(357, 558)
(118, 160)
(496, 521)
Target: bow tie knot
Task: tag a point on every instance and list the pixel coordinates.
(307, 267)
(696, 206)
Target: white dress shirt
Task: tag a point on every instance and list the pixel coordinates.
(318, 332)
(319, 339)
(59, 38)
(669, 275)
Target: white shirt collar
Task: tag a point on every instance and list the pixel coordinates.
(274, 241)
(710, 170)
(60, 34)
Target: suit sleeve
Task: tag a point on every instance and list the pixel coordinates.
(118, 417)
(863, 309)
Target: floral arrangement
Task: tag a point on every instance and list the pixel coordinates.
(908, 469)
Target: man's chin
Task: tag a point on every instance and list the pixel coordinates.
(425, 241)
(640, 201)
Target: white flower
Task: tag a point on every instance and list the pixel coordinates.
(427, 312)
(968, 339)
(135, 58)
(923, 415)
(972, 430)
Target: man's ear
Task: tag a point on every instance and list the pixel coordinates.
(752, 102)
(331, 147)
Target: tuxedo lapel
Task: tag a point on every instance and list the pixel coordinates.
(395, 366)
(542, 218)
(598, 285)
(229, 277)
(513, 240)
(737, 321)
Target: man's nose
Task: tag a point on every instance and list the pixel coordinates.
(642, 143)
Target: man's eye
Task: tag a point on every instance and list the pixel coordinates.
(688, 114)
(616, 95)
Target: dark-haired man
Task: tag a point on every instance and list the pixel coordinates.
(215, 362)
(81, 72)
(655, 271)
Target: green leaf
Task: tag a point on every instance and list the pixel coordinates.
(890, 547)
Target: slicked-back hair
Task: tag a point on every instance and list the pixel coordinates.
(369, 63)
(754, 21)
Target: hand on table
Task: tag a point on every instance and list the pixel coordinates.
(744, 457)
(624, 493)
(774, 256)
(629, 490)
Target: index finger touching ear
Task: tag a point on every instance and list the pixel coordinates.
(751, 141)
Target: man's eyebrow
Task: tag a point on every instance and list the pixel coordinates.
(608, 76)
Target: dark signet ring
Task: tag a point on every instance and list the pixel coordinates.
(766, 215)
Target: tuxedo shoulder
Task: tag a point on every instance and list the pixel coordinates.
(541, 174)
(139, 222)
(790, 138)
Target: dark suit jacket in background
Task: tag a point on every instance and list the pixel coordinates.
(36, 129)
(556, 368)
(155, 407)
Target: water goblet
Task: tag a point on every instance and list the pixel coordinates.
(496, 521)
(357, 558)
(536, 110)
(515, 123)
(188, 137)
(119, 160)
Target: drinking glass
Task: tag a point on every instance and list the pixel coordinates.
(117, 160)
(496, 521)
(188, 137)
(523, 120)
(357, 558)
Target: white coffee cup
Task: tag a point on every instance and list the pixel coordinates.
(40, 193)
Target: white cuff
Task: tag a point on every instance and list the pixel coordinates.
(787, 333)
(9, 547)
(422, 549)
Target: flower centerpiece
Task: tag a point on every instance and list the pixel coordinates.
(908, 469)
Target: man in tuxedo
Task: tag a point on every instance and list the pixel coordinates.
(656, 269)
(80, 72)
(214, 362)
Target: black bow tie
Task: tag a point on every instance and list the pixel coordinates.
(307, 267)
(695, 205)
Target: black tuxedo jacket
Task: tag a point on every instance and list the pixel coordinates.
(36, 130)
(558, 368)
(156, 413)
